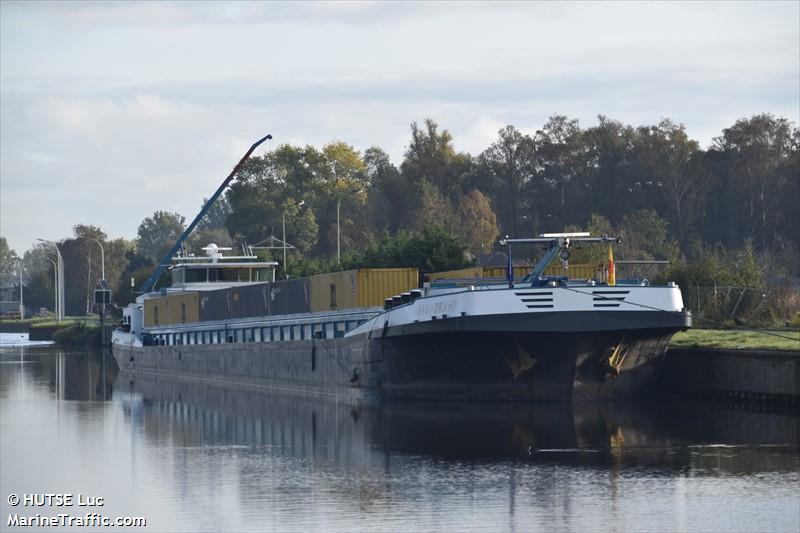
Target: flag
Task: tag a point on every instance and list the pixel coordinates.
(612, 274)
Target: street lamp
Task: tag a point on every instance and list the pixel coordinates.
(102, 256)
(60, 283)
(55, 286)
(21, 304)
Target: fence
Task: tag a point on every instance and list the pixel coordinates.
(768, 307)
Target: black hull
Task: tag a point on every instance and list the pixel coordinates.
(521, 366)
(468, 366)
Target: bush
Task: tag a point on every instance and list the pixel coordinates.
(78, 335)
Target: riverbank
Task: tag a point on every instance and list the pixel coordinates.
(737, 339)
(765, 378)
(72, 331)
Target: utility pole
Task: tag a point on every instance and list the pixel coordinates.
(59, 281)
(55, 287)
(21, 304)
(283, 219)
(338, 233)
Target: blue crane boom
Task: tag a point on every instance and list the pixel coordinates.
(151, 281)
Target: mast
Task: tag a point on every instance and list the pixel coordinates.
(165, 262)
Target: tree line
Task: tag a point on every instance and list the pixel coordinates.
(442, 208)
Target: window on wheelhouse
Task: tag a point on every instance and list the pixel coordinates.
(196, 275)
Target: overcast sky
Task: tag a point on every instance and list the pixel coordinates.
(110, 111)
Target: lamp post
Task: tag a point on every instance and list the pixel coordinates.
(283, 220)
(55, 287)
(338, 233)
(102, 256)
(21, 304)
(60, 283)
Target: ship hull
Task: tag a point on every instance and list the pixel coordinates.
(520, 366)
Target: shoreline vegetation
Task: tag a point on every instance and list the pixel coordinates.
(727, 339)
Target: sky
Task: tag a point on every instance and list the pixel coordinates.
(110, 111)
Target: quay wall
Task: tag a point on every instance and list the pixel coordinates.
(14, 327)
(743, 374)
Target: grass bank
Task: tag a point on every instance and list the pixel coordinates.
(737, 339)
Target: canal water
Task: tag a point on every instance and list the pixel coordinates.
(202, 457)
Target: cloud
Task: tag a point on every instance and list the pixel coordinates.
(109, 111)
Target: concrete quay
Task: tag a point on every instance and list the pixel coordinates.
(767, 377)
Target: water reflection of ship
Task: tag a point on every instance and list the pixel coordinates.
(660, 436)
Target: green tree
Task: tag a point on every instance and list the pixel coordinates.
(433, 249)
(757, 152)
(509, 164)
(216, 216)
(478, 225)
(8, 264)
(435, 209)
(608, 150)
(431, 157)
(560, 157)
(645, 236)
(157, 233)
(137, 267)
(665, 155)
(392, 200)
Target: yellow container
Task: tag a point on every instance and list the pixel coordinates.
(156, 312)
(336, 290)
(377, 284)
(184, 307)
(577, 271)
(500, 272)
(366, 287)
(177, 308)
(464, 273)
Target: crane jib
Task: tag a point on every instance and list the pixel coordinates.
(151, 281)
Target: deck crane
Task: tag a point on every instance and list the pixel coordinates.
(165, 262)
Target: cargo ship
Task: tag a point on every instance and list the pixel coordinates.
(383, 333)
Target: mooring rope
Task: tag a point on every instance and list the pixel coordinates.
(709, 321)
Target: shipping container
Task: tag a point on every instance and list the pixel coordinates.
(183, 307)
(366, 287)
(176, 308)
(464, 273)
(375, 284)
(255, 300)
(288, 297)
(576, 271)
(500, 272)
(156, 312)
(336, 290)
(215, 305)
